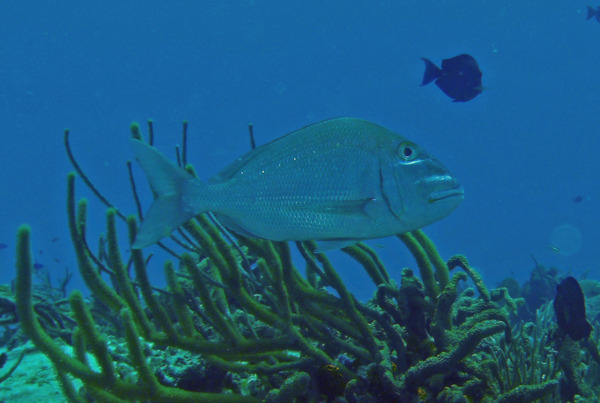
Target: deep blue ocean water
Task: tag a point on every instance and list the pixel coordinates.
(526, 150)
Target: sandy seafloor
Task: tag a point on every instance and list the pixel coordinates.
(33, 381)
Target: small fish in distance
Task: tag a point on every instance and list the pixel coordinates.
(338, 182)
(459, 77)
(582, 198)
(593, 13)
(569, 307)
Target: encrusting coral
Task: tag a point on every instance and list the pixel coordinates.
(242, 323)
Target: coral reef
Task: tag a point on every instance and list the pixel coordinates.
(240, 322)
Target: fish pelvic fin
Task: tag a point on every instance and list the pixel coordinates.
(176, 195)
(431, 72)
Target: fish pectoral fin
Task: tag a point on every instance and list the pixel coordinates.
(345, 207)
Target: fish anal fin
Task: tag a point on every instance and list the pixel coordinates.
(323, 246)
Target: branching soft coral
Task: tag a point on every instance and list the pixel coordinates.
(242, 307)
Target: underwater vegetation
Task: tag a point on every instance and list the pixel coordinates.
(239, 321)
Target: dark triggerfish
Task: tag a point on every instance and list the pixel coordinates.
(569, 307)
(338, 181)
(593, 12)
(459, 77)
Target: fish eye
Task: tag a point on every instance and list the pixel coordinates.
(407, 151)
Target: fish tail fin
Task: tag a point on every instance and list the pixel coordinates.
(178, 196)
(591, 12)
(431, 72)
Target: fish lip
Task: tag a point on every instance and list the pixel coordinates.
(457, 192)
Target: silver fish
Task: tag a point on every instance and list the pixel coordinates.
(338, 181)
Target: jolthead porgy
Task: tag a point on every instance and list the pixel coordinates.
(338, 182)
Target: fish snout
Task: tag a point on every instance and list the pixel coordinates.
(455, 195)
(445, 189)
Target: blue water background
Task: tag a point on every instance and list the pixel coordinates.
(523, 150)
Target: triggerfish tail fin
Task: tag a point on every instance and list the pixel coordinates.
(431, 72)
(176, 195)
(591, 12)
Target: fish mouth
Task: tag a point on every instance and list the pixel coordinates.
(447, 194)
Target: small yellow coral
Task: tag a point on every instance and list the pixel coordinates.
(422, 393)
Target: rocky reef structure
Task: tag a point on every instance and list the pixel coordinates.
(240, 322)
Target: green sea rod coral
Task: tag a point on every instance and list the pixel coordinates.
(238, 321)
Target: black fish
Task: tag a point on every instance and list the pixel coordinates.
(3, 246)
(593, 13)
(459, 77)
(578, 199)
(569, 307)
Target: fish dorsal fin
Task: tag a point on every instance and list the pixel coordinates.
(264, 152)
(236, 166)
(457, 62)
